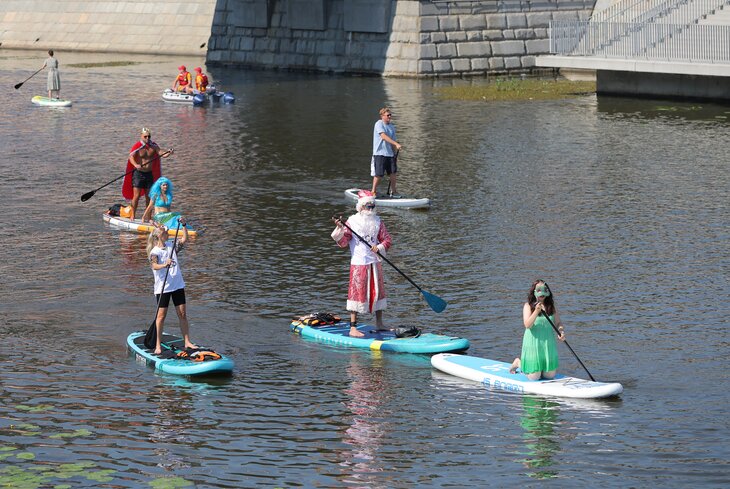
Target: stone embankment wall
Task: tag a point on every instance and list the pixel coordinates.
(390, 37)
(414, 38)
(130, 26)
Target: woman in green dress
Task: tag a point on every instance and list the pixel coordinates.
(539, 358)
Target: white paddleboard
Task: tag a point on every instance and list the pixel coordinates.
(496, 375)
(50, 102)
(403, 202)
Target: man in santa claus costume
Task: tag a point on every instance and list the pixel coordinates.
(366, 292)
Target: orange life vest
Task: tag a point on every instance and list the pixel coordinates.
(183, 79)
(201, 82)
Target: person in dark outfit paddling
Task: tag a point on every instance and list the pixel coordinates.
(162, 255)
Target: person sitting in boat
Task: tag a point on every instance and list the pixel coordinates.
(201, 80)
(184, 81)
(539, 357)
(366, 292)
(161, 203)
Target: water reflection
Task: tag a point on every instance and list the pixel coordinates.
(366, 396)
(539, 419)
(663, 109)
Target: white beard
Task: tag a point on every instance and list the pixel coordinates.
(366, 223)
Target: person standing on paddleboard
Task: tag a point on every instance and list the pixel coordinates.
(162, 255)
(54, 79)
(144, 159)
(539, 357)
(367, 290)
(385, 148)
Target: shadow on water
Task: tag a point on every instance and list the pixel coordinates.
(644, 109)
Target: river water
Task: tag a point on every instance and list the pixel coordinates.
(621, 205)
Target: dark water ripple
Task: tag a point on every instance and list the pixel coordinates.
(619, 204)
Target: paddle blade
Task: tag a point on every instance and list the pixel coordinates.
(436, 302)
(150, 339)
(18, 85)
(87, 196)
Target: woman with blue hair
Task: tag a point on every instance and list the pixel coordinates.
(160, 203)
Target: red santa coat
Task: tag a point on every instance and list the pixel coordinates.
(366, 292)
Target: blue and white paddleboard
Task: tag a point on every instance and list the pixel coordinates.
(135, 345)
(496, 375)
(338, 335)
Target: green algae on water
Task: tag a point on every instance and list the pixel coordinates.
(73, 434)
(512, 89)
(170, 483)
(39, 408)
(104, 64)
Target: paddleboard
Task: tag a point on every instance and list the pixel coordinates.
(338, 335)
(50, 102)
(403, 202)
(135, 345)
(496, 375)
(138, 226)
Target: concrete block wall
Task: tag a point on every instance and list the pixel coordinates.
(327, 47)
(425, 38)
(132, 26)
(473, 38)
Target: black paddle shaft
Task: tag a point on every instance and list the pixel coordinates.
(18, 85)
(152, 331)
(566, 344)
(89, 195)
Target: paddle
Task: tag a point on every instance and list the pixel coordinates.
(151, 336)
(18, 85)
(436, 302)
(395, 158)
(89, 195)
(566, 344)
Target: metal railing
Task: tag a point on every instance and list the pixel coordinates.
(668, 11)
(666, 42)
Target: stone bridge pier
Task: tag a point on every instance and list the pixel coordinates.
(408, 38)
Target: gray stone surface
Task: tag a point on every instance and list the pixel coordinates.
(387, 37)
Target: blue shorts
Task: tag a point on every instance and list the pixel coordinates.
(178, 298)
(380, 165)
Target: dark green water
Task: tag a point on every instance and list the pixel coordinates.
(621, 205)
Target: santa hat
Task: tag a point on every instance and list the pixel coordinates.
(364, 197)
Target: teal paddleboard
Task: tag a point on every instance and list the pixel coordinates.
(338, 335)
(135, 345)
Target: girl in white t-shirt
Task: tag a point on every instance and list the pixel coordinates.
(166, 269)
